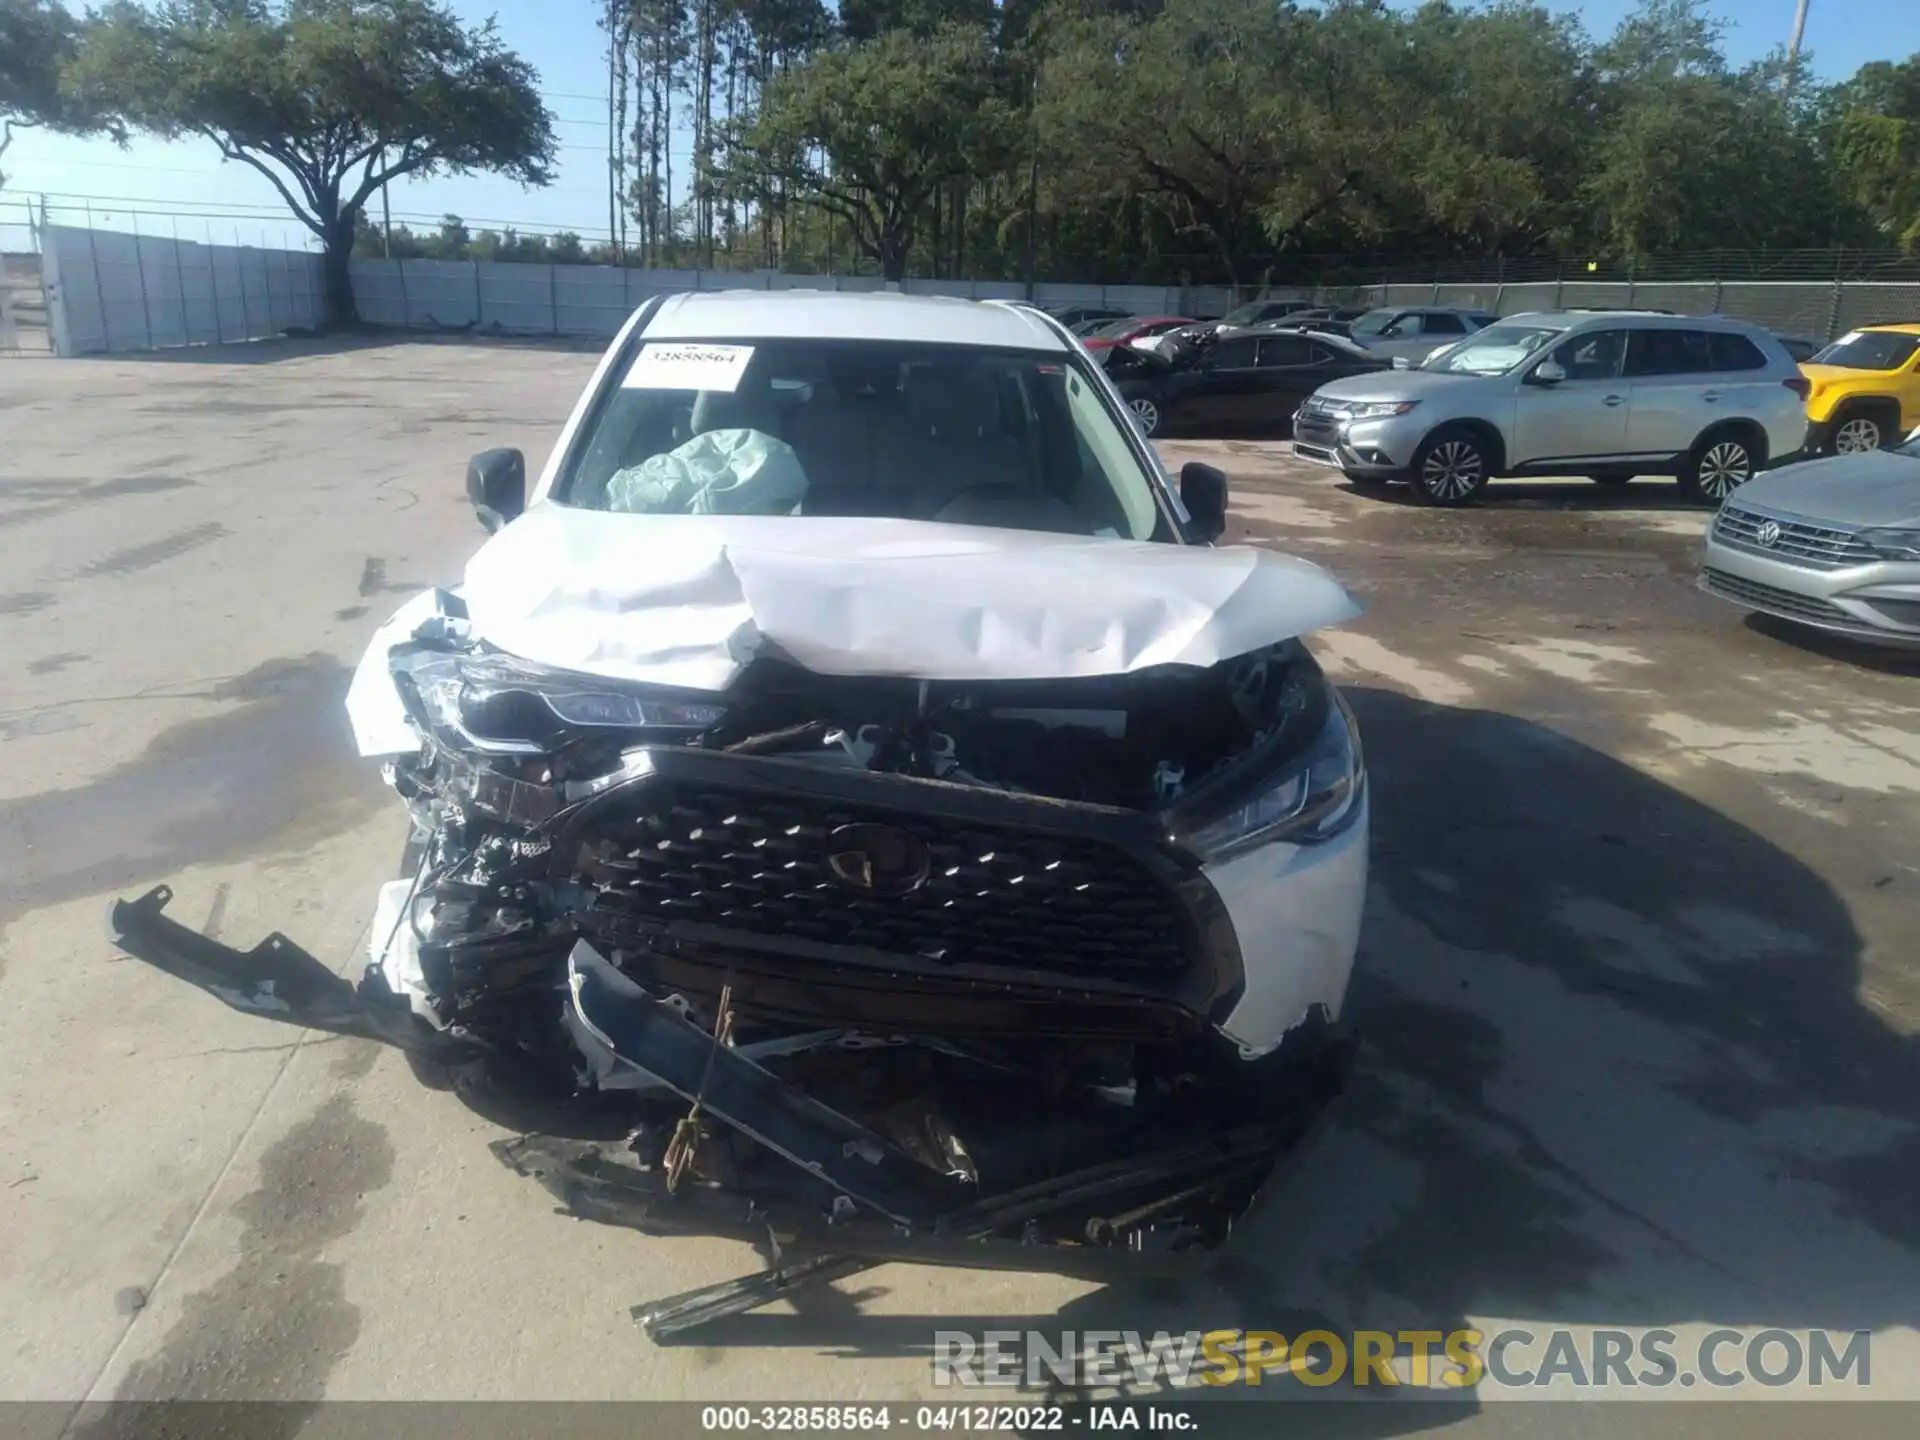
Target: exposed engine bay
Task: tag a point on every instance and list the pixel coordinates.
(878, 968)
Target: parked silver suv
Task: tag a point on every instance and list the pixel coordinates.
(1607, 395)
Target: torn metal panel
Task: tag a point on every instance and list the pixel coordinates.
(652, 1036)
(275, 980)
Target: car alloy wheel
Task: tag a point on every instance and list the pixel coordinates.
(1724, 468)
(1856, 436)
(1148, 414)
(1452, 471)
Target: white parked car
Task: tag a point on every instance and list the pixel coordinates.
(855, 758)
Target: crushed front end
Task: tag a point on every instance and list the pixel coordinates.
(1042, 974)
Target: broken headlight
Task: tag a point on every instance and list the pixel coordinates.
(1312, 797)
(495, 704)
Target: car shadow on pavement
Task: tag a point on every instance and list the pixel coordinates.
(1651, 494)
(1615, 1073)
(1884, 659)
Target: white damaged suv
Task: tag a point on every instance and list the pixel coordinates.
(856, 758)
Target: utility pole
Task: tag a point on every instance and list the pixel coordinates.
(1799, 32)
(613, 131)
(386, 214)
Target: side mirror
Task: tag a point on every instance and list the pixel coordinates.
(1203, 490)
(497, 486)
(1547, 372)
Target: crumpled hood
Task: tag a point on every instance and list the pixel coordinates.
(689, 600)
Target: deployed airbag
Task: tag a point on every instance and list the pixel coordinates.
(720, 472)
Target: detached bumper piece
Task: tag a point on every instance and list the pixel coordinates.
(849, 1198)
(276, 980)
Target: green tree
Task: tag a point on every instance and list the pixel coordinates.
(1690, 154)
(329, 99)
(1499, 107)
(36, 47)
(1249, 122)
(1875, 141)
(870, 133)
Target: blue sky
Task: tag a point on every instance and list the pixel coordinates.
(150, 182)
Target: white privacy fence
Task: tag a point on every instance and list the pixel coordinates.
(595, 300)
(108, 292)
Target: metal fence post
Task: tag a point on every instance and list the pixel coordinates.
(99, 291)
(1630, 282)
(1559, 284)
(180, 279)
(1719, 289)
(1839, 295)
(140, 270)
(213, 291)
(553, 294)
(406, 310)
(479, 308)
(240, 268)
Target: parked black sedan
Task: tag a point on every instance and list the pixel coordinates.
(1243, 384)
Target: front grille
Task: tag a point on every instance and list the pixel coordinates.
(1773, 598)
(994, 895)
(1818, 547)
(1313, 430)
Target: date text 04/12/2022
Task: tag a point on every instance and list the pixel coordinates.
(987, 1419)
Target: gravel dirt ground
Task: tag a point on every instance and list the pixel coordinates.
(1639, 984)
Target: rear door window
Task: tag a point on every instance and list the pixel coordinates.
(1663, 351)
(1439, 323)
(1734, 352)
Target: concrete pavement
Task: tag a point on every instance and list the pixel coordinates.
(1640, 980)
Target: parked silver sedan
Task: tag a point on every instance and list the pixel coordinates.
(1834, 544)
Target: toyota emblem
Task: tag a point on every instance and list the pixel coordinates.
(877, 859)
(1768, 534)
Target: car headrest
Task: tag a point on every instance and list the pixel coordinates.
(955, 401)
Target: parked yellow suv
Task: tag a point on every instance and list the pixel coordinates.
(1866, 390)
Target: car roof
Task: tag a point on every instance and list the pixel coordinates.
(1650, 319)
(1898, 327)
(851, 315)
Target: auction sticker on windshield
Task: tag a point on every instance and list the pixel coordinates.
(688, 365)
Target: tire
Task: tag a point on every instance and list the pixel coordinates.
(1719, 463)
(1148, 414)
(1858, 432)
(1451, 467)
(1614, 478)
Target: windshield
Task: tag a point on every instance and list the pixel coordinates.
(1111, 329)
(1246, 314)
(1869, 350)
(1374, 321)
(1009, 438)
(1493, 351)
